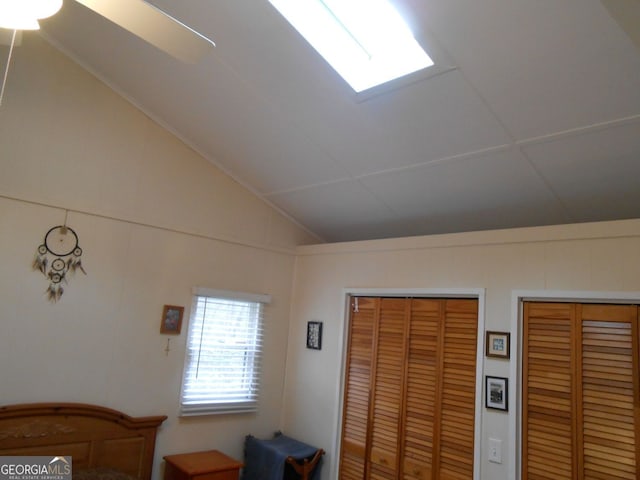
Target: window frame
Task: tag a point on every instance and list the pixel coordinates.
(218, 407)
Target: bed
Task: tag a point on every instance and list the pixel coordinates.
(104, 443)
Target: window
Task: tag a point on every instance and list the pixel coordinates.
(366, 41)
(224, 346)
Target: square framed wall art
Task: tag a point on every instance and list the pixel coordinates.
(498, 344)
(497, 393)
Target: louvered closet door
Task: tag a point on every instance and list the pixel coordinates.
(357, 383)
(609, 377)
(440, 390)
(548, 436)
(388, 387)
(457, 402)
(581, 392)
(411, 414)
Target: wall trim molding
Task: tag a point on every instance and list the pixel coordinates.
(216, 238)
(510, 236)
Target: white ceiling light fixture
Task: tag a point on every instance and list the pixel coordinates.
(24, 14)
(366, 41)
(137, 16)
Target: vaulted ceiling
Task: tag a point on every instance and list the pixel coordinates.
(531, 115)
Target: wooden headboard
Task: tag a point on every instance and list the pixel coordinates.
(94, 436)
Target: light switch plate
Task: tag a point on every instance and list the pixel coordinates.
(495, 450)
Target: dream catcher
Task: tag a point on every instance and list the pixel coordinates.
(58, 257)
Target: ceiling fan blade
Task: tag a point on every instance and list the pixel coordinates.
(627, 14)
(154, 26)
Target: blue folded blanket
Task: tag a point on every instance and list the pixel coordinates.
(265, 459)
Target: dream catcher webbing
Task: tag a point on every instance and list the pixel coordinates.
(58, 257)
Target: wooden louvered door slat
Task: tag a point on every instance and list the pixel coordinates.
(387, 388)
(422, 379)
(357, 384)
(609, 384)
(458, 389)
(581, 392)
(547, 394)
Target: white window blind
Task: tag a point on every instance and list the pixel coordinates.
(223, 358)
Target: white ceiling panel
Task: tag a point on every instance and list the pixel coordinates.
(597, 174)
(556, 81)
(499, 189)
(543, 66)
(450, 119)
(342, 211)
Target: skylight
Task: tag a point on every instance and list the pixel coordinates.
(366, 41)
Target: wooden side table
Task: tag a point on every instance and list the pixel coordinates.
(209, 465)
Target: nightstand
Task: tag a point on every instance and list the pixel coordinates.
(209, 465)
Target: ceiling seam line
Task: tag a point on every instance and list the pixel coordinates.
(390, 209)
(462, 156)
(507, 131)
(521, 145)
(499, 148)
(574, 132)
(546, 182)
(312, 185)
(516, 146)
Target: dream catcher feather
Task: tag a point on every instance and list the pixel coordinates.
(57, 258)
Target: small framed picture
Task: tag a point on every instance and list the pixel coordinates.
(497, 344)
(171, 319)
(497, 393)
(314, 335)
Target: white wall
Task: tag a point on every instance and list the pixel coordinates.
(589, 257)
(154, 219)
